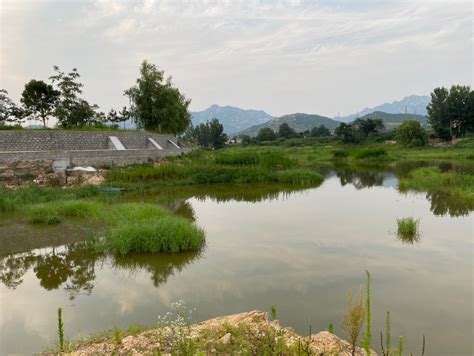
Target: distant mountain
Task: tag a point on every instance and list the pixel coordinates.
(299, 122)
(392, 121)
(413, 104)
(234, 119)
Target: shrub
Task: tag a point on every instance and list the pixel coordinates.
(411, 134)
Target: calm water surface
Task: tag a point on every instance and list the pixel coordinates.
(301, 251)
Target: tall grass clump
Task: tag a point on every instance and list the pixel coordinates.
(166, 234)
(273, 160)
(408, 230)
(371, 153)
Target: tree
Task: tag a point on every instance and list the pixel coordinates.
(9, 111)
(411, 134)
(246, 140)
(368, 126)
(347, 133)
(266, 134)
(286, 131)
(216, 133)
(71, 109)
(451, 112)
(155, 104)
(39, 99)
(210, 134)
(321, 131)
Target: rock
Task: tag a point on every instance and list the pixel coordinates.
(226, 338)
(148, 342)
(327, 343)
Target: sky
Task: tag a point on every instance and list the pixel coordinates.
(318, 57)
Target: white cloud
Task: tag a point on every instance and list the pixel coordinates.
(248, 53)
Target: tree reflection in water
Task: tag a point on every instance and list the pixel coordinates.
(442, 203)
(73, 267)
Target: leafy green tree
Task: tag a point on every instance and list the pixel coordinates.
(246, 140)
(266, 134)
(216, 133)
(210, 134)
(368, 126)
(39, 100)
(71, 109)
(155, 104)
(411, 134)
(347, 133)
(321, 131)
(451, 112)
(286, 131)
(9, 111)
(202, 134)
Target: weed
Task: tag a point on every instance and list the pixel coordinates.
(274, 312)
(367, 341)
(60, 329)
(117, 336)
(353, 319)
(331, 328)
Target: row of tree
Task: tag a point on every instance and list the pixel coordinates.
(155, 104)
(286, 131)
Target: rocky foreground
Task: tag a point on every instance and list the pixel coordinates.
(246, 333)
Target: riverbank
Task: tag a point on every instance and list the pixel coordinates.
(245, 333)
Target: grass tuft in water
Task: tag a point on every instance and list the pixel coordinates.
(408, 230)
(165, 234)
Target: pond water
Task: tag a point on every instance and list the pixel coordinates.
(299, 250)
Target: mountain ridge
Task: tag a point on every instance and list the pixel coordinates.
(233, 119)
(412, 104)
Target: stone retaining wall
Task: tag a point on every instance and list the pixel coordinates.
(84, 147)
(63, 140)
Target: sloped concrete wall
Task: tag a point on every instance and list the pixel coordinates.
(84, 147)
(63, 140)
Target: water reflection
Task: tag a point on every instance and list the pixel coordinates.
(73, 267)
(363, 176)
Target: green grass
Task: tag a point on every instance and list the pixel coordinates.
(55, 212)
(454, 186)
(165, 234)
(206, 167)
(371, 153)
(130, 227)
(408, 230)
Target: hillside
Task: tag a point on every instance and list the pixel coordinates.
(413, 104)
(234, 119)
(392, 121)
(300, 122)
